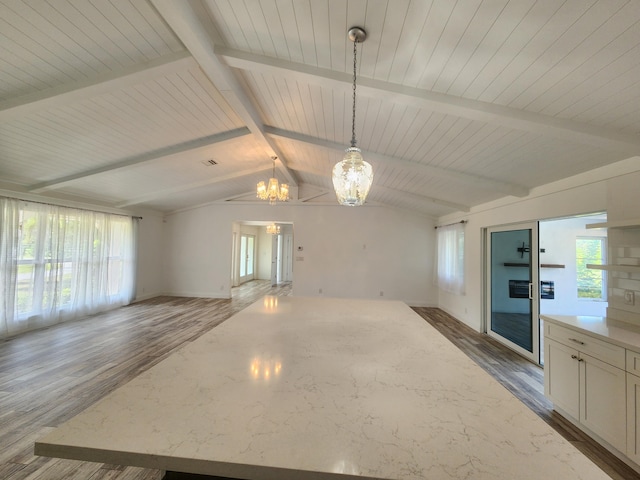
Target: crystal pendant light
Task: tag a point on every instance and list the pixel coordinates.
(352, 177)
(274, 191)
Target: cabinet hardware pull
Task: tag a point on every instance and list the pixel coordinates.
(576, 340)
(581, 359)
(574, 356)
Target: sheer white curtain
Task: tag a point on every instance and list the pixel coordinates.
(59, 263)
(450, 258)
(9, 238)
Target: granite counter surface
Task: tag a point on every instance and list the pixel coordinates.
(312, 388)
(613, 331)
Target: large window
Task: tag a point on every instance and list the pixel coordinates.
(451, 258)
(59, 263)
(591, 283)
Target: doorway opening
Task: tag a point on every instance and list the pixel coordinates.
(258, 254)
(540, 268)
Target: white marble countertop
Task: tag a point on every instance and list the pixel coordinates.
(616, 332)
(307, 388)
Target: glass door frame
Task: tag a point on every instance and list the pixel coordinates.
(249, 259)
(534, 288)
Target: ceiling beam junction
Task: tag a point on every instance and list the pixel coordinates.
(187, 25)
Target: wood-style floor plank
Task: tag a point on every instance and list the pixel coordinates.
(48, 376)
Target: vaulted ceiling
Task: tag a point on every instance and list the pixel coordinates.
(130, 102)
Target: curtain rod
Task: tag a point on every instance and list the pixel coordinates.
(64, 206)
(449, 224)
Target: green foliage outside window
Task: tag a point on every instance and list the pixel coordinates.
(590, 282)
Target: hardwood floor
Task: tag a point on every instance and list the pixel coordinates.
(50, 375)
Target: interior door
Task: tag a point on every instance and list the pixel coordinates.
(513, 288)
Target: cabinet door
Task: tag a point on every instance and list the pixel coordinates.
(603, 400)
(633, 417)
(561, 377)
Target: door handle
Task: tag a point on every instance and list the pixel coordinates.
(530, 291)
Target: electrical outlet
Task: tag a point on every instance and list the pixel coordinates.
(320, 290)
(629, 297)
(381, 293)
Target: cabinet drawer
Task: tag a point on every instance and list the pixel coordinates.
(633, 362)
(604, 351)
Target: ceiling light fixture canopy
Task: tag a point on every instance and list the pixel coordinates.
(274, 191)
(352, 177)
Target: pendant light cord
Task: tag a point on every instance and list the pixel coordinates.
(353, 116)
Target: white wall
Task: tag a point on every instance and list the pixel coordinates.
(346, 252)
(149, 269)
(584, 193)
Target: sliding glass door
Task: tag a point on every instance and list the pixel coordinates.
(513, 290)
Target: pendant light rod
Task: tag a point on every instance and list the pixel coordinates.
(356, 35)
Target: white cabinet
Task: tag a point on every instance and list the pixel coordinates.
(585, 379)
(633, 406)
(602, 400)
(633, 417)
(561, 377)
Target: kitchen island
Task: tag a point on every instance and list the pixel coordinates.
(312, 388)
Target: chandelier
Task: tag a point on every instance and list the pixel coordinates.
(352, 177)
(273, 229)
(274, 191)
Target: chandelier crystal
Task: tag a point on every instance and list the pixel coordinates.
(274, 191)
(352, 177)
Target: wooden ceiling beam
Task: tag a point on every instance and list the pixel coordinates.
(189, 186)
(77, 91)
(439, 102)
(474, 180)
(199, 143)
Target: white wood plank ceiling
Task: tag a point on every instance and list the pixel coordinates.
(124, 102)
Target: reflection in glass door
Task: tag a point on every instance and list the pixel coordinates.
(247, 255)
(513, 292)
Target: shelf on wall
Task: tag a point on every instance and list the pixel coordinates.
(542, 265)
(616, 268)
(634, 223)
